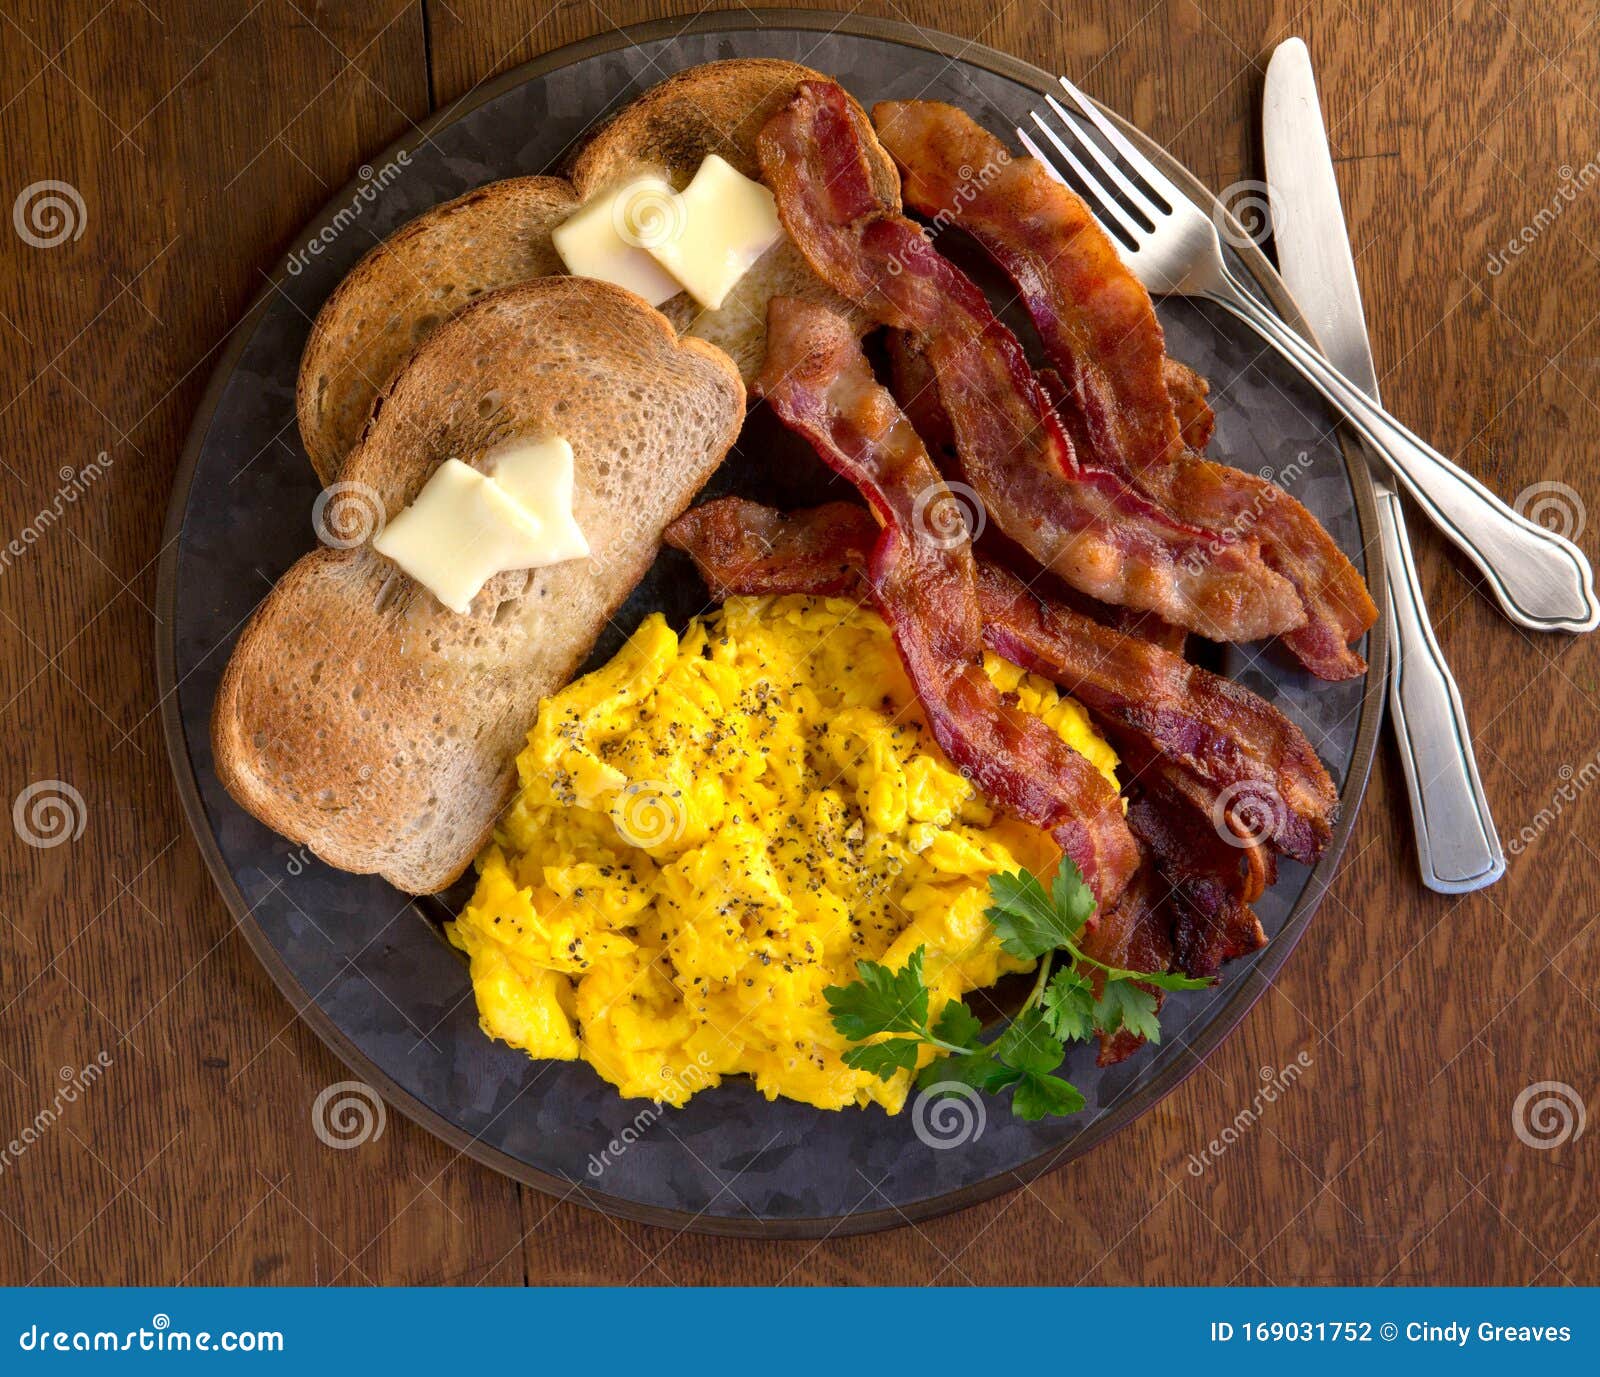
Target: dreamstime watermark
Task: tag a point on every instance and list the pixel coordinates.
(348, 1114)
(49, 813)
(1275, 1081)
(1574, 784)
(969, 182)
(75, 1080)
(1573, 184)
(1265, 497)
(1547, 1114)
(1249, 813)
(46, 214)
(948, 1114)
(158, 1337)
(369, 782)
(946, 515)
(695, 1078)
(347, 514)
(649, 813)
(372, 183)
(74, 484)
(1243, 214)
(1554, 506)
(649, 214)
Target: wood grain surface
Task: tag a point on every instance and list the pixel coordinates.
(198, 137)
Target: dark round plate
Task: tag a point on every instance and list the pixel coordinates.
(367, 967)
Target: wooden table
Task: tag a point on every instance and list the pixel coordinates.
(201, 136)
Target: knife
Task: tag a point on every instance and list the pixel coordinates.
(1457, 845)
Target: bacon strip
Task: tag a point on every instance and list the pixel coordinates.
(1100, 330)
(1240, 752)
(1188, 392)
(923, 581)
(1086, 523)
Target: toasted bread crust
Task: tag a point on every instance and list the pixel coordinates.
(404, 288)
(360, 718)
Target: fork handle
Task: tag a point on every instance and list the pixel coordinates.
(1458, 848)
(1540, 579)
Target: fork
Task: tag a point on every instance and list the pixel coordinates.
(1540, 579)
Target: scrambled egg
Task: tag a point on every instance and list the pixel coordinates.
(712, 829)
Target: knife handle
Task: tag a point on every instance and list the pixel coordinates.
(1540, 579)
(1457, 845)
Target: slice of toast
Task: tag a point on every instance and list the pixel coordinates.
(405, 288)
(361, 718)
(500, 234)
(720, 107)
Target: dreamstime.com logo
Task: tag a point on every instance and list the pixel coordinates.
(1243, 214)
(348, 1114)
(347, 514)
(1573, 184)
(50, 213)
(372, 183)
(649, 214)
(946, 515)
(649, 813)
(948, 1114)
(75, 1082)
(1222, 538)
(1574, 784)
(160, 1337)
(1275, 1082)
(48, 813)
(1548, 1114)
(697, 1078)
(1554, 506)
(1249, 813)
(969, 182)
(74, 484)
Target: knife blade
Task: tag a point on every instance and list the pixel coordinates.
(1458, 849)
(1308, 218)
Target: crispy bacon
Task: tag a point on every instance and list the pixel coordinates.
(1083, 521)
(1211, 921)
(1100, 330)
(1188, 391)
(1137, 936)
(1236, 749)
(923, 581)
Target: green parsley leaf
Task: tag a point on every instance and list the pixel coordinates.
(1122, 1004)
(881, 1001)
(1028, 1045)
(957, 1024)
(883, 1059)
(1031, 922)
(1175, 980)
(1037, 1096)
(978, 1069)
(1068, 1004)
(1071, 895)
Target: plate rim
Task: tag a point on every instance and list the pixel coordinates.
(1247, 990)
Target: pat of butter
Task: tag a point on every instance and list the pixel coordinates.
(609, 237)
(724, 223)
(460, 531)
(537, 476)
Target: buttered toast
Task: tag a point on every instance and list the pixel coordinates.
(360, 717)
(720, 107)
(500, 234)
(407, 287)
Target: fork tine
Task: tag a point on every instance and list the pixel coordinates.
(1141, 165)
(1109, 175)
(1107, 212)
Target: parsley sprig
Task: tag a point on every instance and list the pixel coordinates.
(1032, 923)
